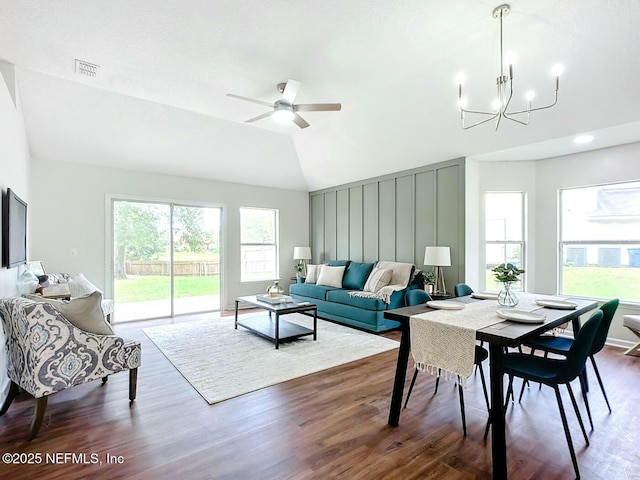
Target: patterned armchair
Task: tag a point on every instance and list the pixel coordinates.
(46, 354)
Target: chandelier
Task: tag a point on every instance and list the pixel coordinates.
(504, 84)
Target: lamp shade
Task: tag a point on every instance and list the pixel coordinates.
(437, 256)
(302, 253)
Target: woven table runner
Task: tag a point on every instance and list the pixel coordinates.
(445, 340)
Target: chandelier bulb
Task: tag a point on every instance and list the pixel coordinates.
(530, 95)
(557, 70)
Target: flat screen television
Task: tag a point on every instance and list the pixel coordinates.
(14, 230)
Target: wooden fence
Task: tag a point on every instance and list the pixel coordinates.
(182, 268)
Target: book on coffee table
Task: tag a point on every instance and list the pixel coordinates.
(274, 299)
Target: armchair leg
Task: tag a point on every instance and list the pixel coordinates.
(133, 383)
(13, 393)
(104, 379)
(41, 407)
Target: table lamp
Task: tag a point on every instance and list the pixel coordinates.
(438, 257)
(301, 254)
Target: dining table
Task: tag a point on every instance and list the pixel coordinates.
(499, 336)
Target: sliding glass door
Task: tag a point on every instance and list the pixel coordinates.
(196, 259)
(166, 259)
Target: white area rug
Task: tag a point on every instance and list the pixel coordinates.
(221, 362)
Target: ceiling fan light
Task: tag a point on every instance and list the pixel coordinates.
(283, 115)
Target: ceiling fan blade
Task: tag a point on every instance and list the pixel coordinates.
(252, 100)
(317, 107)
(290, 91)
(298, 120)
(260, 117)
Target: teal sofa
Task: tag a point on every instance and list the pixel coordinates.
(336, 304)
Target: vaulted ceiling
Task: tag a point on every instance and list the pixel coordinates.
(158, 102)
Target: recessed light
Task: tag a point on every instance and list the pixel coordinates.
(580, 139)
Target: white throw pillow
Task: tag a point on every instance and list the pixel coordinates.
(331, 276)
(378, 278)
(313, 272)
(82, 312)
(79, 286)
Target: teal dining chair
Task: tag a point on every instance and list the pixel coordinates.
(554, 372)
(561, 345)
(462, 290)
(418, 297)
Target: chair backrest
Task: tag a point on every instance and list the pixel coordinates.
(417, 297)
(579, 351)
(608, 311)
(462, 289)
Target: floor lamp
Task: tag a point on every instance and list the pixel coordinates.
(438, 257)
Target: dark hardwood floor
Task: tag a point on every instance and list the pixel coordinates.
(331, 424)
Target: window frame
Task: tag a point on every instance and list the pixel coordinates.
(275, 245)
(522, 243)
(568, 243)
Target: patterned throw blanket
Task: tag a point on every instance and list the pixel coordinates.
(400, 276)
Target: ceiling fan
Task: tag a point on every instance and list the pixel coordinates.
(284, 109)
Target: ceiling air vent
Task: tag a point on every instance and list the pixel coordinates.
(87, 69)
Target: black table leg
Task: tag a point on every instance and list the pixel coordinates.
(236, 322)
(315, 323)
(277, 330)
(401, 373)
(498, 436)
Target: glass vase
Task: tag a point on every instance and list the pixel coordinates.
(507, 297)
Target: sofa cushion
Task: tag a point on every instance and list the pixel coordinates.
(312, 273)
(367, 303)
(83, 312)
(338, 263)
(380, 277)
(79, 286)
(331, 276)
(356, 275)
(310, 290)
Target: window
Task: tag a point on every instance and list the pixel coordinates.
(504, 234)
(600, 241)
(258, 244)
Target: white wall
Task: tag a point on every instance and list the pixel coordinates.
(70, 208)
(499, 177)
(541, 180)
(14, 173)
(608, 165)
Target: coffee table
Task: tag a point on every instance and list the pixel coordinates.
(276, 329)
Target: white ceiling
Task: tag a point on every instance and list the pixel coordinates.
(159, 101)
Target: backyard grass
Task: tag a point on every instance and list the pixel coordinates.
(595, 282)
(598, 282)
(142, 289)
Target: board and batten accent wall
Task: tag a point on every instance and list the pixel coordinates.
(393, 217)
